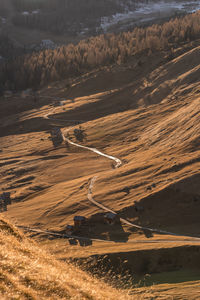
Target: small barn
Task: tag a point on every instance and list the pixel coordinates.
(69, 229)
(79, 221)
(73, 242)
(111, 218)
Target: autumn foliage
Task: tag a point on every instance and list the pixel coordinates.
(39, 68)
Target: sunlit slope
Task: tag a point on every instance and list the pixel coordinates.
(164, 160)
(160, 145)
(154, 131)
(161, 170)
(130, 86)
(28, 272)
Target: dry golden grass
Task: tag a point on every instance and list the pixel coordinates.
(149, 118)
(28, 272)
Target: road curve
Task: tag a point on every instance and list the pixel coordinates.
(117, 160)
(155, 230)
(118, 163)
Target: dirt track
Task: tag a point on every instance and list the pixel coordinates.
(117, 165)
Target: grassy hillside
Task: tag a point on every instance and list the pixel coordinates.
(159, 156)
(147, 115)
(28, 272)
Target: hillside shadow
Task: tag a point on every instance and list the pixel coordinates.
(117, 234)
(85, 113)
(27, 126)
(175, 208)
(109, 105)
(100, 228)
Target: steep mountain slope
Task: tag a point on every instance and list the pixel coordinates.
(150, 122)
(28, 272)
(159, 144)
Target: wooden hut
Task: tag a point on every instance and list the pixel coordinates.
(111, 218)
(79, 221)
(69, 229)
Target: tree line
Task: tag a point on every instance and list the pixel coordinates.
(39, 68)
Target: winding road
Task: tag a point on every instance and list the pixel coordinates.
(118, 163)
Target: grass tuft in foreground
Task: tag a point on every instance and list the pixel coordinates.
(28, 272)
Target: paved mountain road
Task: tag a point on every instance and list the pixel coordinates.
(118, 163)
